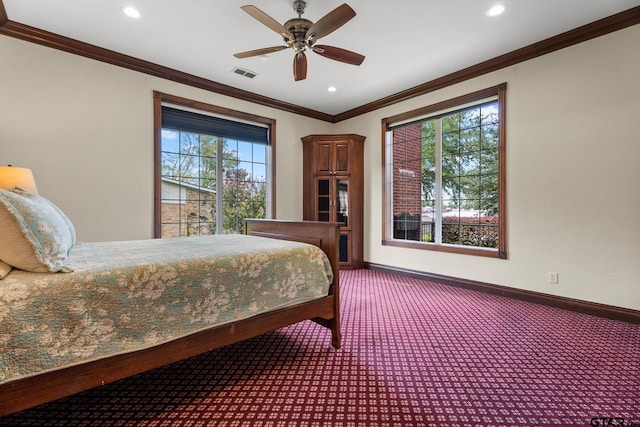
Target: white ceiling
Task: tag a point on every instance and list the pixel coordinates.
(406, 42)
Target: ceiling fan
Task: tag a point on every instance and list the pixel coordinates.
(300, 33)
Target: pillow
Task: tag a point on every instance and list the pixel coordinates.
(4, 269)
(66, 220)
(34, 233)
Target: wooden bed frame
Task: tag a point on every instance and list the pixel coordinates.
(24, 393)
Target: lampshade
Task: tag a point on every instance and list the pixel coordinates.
(11, 177)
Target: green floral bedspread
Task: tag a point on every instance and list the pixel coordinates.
(125, 296)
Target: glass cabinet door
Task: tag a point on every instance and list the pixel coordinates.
(342, 201)
(324, 200)
(332, 204)
(343, 248)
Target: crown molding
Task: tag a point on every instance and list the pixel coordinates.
(586, 32)
(66, 44)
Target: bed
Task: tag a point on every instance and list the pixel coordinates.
(140, 305)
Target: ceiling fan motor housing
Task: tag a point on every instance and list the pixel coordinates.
(298, 27)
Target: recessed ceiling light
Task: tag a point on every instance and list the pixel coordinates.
(332, 89)
(131, 12)
(495, 10)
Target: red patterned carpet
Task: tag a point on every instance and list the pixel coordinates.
(414, 354)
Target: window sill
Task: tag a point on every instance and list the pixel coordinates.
(485, 252)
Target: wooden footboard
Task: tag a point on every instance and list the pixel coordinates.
(25, 393)
(326, 236)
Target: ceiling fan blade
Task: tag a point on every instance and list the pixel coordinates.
(268, 21)
(299, 66)
(331, 22)
(338, 54)
(258, 52)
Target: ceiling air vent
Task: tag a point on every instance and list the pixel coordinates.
(243, 72)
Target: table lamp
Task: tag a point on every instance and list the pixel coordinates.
(11, 177)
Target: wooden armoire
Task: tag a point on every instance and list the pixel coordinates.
(333, 187)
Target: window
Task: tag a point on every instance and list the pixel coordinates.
(445, 176)
(213, 168)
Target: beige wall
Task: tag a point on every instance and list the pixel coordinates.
(85, 128)
(573, 175)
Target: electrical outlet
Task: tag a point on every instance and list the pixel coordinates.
(553, 277)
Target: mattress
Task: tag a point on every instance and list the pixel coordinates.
(130, 295)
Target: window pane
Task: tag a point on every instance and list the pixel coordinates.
(247, 168)
(259, 172)
(450, 142)
(469, 163)
(189, 143)
(170, 141)
(190, 168)
(245, 151)
(451, 124)
(259, 153)
(490, 114)
(470, 187)
(470, 139)
(207, 145)
(470, 118)
(490, 137)
(230, 148)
